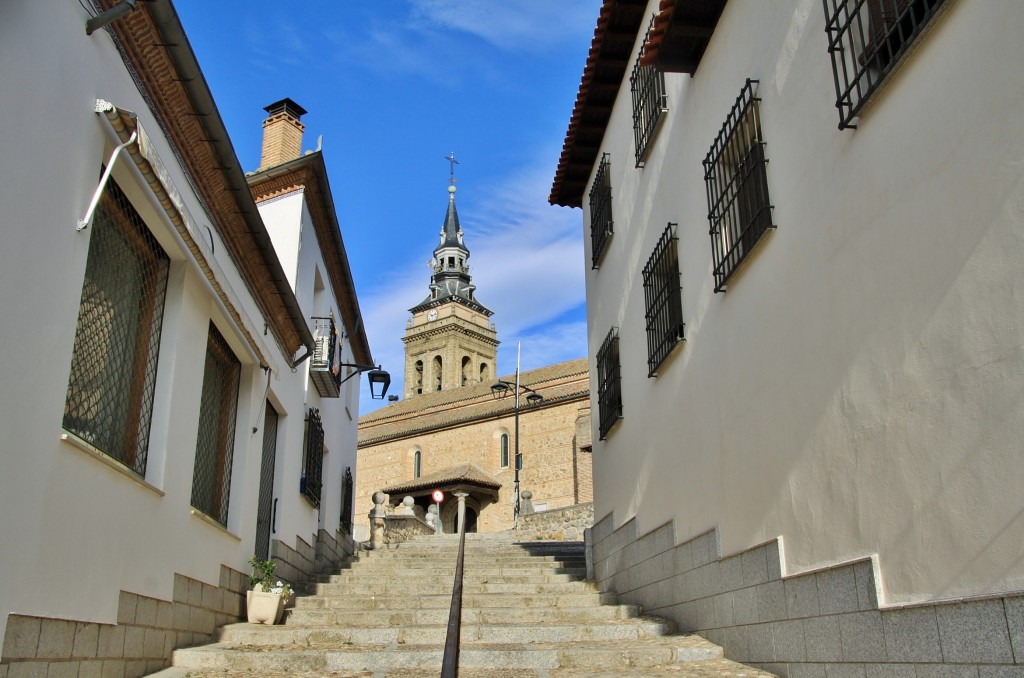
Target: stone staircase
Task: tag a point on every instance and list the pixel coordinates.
(527, 611)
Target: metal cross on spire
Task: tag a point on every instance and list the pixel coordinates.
(452, 163)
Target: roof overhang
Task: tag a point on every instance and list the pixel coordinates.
(153, 43)
(680, 33)
(309, 171)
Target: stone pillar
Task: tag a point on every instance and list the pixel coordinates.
(460, 521)
(377, 516)
(526, 507)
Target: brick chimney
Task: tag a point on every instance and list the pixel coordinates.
(282, 133)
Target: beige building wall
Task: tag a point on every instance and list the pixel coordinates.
(466, 425)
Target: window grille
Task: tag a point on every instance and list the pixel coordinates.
(218, 407)
(601, 224)
(866, 40)
(663, 300)
(117, 337)
(739, 210)
(647, 85)
(264, 509)
(346, 500)
(609, 383)
(313, 477)
(504, 450)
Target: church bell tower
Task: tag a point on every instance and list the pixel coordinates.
(449, 341)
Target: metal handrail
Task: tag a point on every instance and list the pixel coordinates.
(450, 663)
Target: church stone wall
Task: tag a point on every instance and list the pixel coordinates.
(552, 464)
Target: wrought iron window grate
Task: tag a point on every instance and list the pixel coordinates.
(218, 408)
(117, 337)
(663, 300)
(647, 85)
(739, 209)
(312, 478)
(601, 224)
(346, 500)
(609, 383)
(866, 40)
(265, 507)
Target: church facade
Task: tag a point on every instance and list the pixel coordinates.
(453, 432)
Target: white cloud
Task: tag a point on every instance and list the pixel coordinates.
(532, 25)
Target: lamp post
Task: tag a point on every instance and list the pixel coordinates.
(500, 390)
(378, 378)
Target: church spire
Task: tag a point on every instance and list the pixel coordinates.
(451, 281)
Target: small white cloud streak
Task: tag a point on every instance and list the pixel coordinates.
(524, 25)
(527, 264)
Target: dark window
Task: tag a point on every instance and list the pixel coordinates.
(504, 450)
(662, 300)
(417, 464)
(866, 40)
(438, 371)
(609, 384)
(600, 210)
(466, 369)
(739, 210)
(117, 338)
(218, 406)
(313, 476)
(647, 85)
(418, 377)
(346, 500)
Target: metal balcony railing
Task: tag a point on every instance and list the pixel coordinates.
(324, 367)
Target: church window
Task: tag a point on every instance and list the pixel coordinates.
(504, 450)
(465, 370)
(437, 372)
(417, 464)
(451, 262)
(418, 377)
(113, 364)
(485, 372)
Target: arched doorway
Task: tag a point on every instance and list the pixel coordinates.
(470, 520)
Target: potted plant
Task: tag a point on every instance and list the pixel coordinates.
(266, 598)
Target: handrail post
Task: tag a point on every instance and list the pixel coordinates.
(450, 663)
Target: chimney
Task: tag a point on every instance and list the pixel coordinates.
(282, 133)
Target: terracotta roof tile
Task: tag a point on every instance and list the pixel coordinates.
(463, 473)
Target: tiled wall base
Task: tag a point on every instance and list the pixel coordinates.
(141, 642)
(293, 564)
(331, 550)
(824, 624)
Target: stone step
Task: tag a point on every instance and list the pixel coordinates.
(523, 585)
(427, 634)
(448, 572)
(310, 618)
(443, 600)
(600, 654)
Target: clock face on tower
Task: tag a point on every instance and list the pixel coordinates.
(432, 315)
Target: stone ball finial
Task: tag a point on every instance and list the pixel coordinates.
(527, 495)
(379, 498)
(408, 503)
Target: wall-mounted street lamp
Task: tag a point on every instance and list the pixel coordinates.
(378, 378)
(109, 16)
(500, 390)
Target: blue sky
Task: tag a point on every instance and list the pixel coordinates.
(393, 86)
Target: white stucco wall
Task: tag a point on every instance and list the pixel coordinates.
(76, 531)
(857, 390)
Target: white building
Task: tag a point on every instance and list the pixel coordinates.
(164, 370)
(808, 425)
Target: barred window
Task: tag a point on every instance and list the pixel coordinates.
(117, 337)
(346, 500)
(313, 475)
(866, 40)
(739, 210)
(609, 383)
(218, 407)
(601, 210)
(663, 300)
(647, 85)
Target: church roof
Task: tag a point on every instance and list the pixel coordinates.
(559, 383)
(467, 473)
(451, 231)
